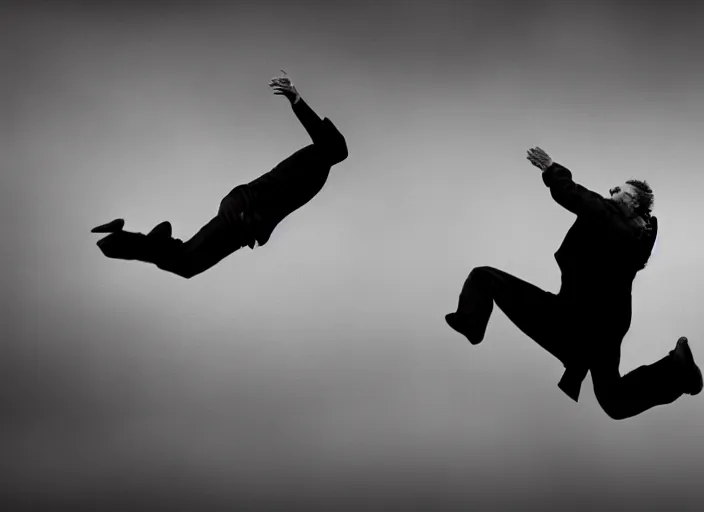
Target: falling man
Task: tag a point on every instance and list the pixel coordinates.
(247, 215)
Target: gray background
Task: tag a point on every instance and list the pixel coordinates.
(318, 372)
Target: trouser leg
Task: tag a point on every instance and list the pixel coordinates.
(212, 243)
(535, 312)
(224, 234)
(221, 236)
(645, 387)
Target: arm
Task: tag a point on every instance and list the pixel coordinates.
(306, 115)
(570, 195)
(564, 190)
(308, 118)
(323, 132)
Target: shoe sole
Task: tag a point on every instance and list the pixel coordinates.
(689, 362)
(120, 245)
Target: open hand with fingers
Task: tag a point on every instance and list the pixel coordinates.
(539, 158)
(282, 86)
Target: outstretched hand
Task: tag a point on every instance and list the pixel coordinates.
(282, 86)
(539, 158)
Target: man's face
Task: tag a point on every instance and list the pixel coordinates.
(625, 193)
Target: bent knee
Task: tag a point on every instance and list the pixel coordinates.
(181, 267)
(479, 278)
(614, 408)
(484, 269)
(482, 274)
(615, 413)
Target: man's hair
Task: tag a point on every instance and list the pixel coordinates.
(646, 198)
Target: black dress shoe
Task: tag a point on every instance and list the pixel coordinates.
(111, 227)
(123, 245)
(462, 324)
(690, 372)
(162, 229)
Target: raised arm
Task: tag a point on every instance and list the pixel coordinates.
(312, 123)
(568, 194)
(322, 131)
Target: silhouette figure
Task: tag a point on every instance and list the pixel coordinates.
(584, 324)
(248, 215)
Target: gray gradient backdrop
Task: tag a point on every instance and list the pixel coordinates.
(318, 372)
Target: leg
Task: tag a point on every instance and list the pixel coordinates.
(221, 236)
(535, 312)
(211, 244)
(645, 387)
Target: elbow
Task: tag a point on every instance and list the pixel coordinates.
(340, 152)
(555, 175)
(336, 144)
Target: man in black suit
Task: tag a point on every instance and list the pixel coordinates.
(584, 324)
(249, 213)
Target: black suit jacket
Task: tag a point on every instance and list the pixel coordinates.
(599, 258)
(296, 180)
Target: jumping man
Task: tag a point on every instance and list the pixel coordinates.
(584, 324)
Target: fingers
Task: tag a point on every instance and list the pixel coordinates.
(538, 157)
(282, 87)
(283, 91)
(280, 81)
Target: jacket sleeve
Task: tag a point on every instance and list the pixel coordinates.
(323, 132)
(572, 196)
(309, 119)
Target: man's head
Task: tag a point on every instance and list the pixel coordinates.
(635, 195)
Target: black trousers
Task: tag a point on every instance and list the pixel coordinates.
(570, 327)
(236, 225)
(230, 230)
